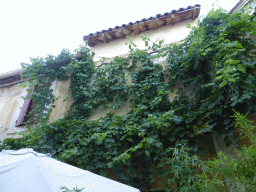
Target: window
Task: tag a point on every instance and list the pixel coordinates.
(27, 107)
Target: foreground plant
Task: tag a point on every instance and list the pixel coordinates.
(74, 189)
(242, 170)
(192, 174)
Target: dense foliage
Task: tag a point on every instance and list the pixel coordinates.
(216, 61)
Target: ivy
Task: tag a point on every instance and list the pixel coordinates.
(213, 62)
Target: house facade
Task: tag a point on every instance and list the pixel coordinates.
(172, 27)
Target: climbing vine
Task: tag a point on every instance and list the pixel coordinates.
(216, 61)
(41, 73)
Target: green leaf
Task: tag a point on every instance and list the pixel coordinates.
(150, 140)
(147, 145)
(177, 119)
(219, 77)
(133, 149)
(239, 45)
(158, 144)
(172, 139)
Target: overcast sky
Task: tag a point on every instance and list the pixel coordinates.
(32, 28)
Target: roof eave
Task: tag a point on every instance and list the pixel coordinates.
(120, 32)
(240, 4)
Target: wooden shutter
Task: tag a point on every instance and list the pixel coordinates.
(24, 109)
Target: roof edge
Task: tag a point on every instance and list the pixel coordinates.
(12, 73)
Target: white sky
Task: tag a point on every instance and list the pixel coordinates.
(32, 28)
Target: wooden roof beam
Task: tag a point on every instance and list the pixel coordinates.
(105, 38)
(194, 13)
(154, 22)
(129, 30)
(121, 33)
(137, 29)
(112, 34)
(173, 20)
(90, 42)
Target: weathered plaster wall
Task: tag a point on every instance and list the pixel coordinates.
(61, 91)
(10, 104)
